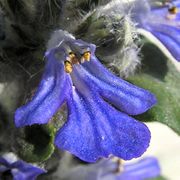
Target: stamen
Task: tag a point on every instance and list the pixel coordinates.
(119, 162)
(73, 59)
(87, 55)
(68, 66)
(173, 10)
(120, 167)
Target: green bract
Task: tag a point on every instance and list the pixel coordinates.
(36, 143)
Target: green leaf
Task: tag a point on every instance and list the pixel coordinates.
(161, 77)
(36, 143)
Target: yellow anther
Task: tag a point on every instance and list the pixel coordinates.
(71, 55)
(73, 58)
(173, 10)
(68, 66)
(87, 56)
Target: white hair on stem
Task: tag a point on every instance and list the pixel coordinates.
(127, 59)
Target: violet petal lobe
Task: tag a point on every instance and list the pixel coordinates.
(170, 37)
(4, 162)
(143, 169)
(25, 171)
(19, 169)
(107, 169)
(95, 129)
(49, 97)
(126, 97)
(4, 165)
(164, 25)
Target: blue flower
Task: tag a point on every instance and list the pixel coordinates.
(97, 101)
(108, 170)
(18, 169)
(143, 169)
(162, 21)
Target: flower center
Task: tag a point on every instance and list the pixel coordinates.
(72, 59)
(73, 52)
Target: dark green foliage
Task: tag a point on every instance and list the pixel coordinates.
(35, 143)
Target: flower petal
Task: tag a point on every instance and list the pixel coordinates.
(170, 37)
(95, 171)
(3, 161)
(95, 129)
(4, 165)
(125, 96)
(25, 171)
(50, 95)
(143, 169)
(163, 25)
